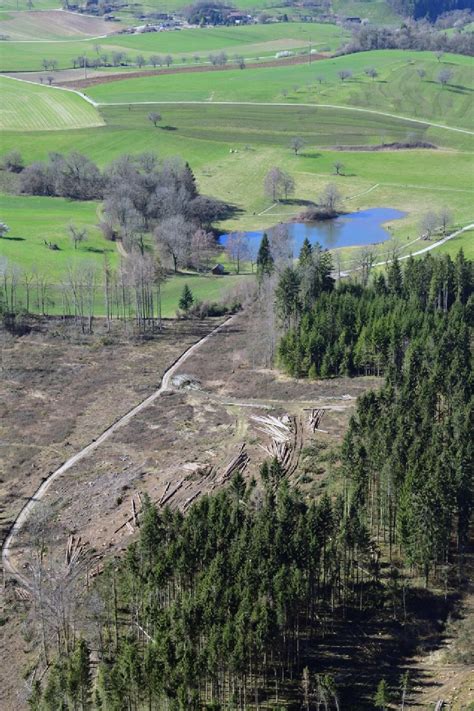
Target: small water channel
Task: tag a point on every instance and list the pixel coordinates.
(349, 230)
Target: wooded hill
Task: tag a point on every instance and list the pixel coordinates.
(230, 606)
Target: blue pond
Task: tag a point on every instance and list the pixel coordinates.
(349, 230)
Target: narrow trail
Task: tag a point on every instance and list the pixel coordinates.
(23, 516)
(430, 247)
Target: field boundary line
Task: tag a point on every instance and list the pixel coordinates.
(58, 88)
(292, 106)
(25, 512)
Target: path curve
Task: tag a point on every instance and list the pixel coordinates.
(434, 245)
(8, 565)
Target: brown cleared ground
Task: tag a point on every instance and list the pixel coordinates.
(57, 395)
(54, 24)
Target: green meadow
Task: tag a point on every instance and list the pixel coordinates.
(251, 41)
(397, 89)
(33, 106)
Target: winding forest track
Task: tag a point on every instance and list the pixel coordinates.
(9, 566)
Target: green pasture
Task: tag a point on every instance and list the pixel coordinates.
(398, 89)
(34, 220)
(27, 106)
(277, 124)
(464, 241)
(251, 41)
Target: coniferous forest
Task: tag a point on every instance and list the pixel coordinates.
(229, 606)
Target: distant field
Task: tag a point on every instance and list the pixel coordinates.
(52, 25)
(377, 11)
(27, 107)
(397, 89)
(252, 40)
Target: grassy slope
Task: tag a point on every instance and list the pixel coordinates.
(398, 89)
(28, 107)
(253, 40)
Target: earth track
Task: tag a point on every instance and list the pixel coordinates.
(9, 566)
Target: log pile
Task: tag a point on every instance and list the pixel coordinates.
(237, 464)
(286, 439)
(314, 419)
(75, 552)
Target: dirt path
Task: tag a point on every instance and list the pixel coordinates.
(22, 518)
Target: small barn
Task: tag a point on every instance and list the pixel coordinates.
(218, 269)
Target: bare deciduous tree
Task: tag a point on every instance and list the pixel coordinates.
(202, 248)
(444, 77)
(445, 219)
(237, 249)
(278, 183)
(296, 144)
(338, 167)
(154, 117)
(173, 236)
(344, 74)
(330, 198)
(77, 234)
(429, 224)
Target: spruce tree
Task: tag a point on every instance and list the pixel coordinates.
(306, 253)
(382, 696)
(265, 261)
(187, 299)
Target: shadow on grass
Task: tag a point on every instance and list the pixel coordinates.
(14, 239)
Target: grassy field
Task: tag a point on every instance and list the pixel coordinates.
(377, 11)
(398, 88)
(26, 107)
(231, 147)
(35, 219)
(251, 41)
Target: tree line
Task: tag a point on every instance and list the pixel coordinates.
(420, 36)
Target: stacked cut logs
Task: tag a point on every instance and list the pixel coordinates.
(237, 464)
(314, 418)
(75, 551)
(286, 439)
